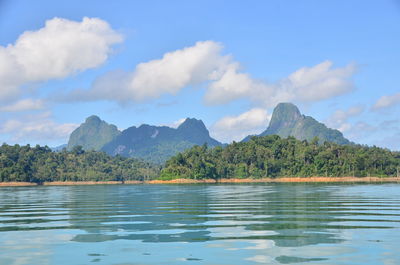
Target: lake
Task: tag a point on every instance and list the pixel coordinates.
(293, 223)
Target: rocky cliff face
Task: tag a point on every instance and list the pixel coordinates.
(93, 134)
(288, 121)
(158, 143)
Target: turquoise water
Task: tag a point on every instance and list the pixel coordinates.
(201, 224)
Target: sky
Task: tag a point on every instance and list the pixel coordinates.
(227, 63)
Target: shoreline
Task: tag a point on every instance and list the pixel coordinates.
(211, 181)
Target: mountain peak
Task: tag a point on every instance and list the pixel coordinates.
(158, 143)
(93, 119)
(192, 124)
(92, 134)
(287, 107)
(288, 121)
(285, 115)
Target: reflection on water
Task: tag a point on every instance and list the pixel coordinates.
(200, 224)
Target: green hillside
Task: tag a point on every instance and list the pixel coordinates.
(271, 156)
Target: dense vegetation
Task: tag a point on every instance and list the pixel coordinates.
(39, 164)
(261, 157)
(272, 157)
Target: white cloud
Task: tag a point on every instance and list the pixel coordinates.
(204, 64)
(24, 105)
(387, 101)
(236, 128)
(339, 119)
(308, 84)
(232, 85)
(61, 48)
(168, 75)
(176, 123)
(39, 127)
(321, 81)
(261, 259)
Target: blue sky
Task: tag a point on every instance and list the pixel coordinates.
(225, 62)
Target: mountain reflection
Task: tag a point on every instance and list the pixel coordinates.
(289, 215)
(238, 223)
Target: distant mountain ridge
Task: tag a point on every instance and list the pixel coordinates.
(58, 148)
(288, 121)
(158, 143)
(152, 143)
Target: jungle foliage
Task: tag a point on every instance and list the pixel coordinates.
(272, 157)
(39, 164)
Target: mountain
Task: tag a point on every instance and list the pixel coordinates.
(288, 121)
(158, 143)
(58, 148)
(93, 134)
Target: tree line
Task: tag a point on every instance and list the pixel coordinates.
(40, 164)
(273, 157)
(261, 157)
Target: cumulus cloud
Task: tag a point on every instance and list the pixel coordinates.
(387, 101)
(168, 75)
(308, 84)
(24, 105)
(205, 64)
(236, 128)
(39, 127)
(232, 85)
(61, 48)
(339, 119)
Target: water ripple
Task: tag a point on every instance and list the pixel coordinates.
(321, 220)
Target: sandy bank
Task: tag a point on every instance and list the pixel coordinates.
(16, 184)
(72, 183)
(194, 181)
(280, 180)
(313, 179)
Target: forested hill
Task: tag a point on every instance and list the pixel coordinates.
(39, 164)
(271, 157)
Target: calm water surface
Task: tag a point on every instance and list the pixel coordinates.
(201, 224)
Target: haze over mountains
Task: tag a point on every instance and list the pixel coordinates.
(158, 143)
